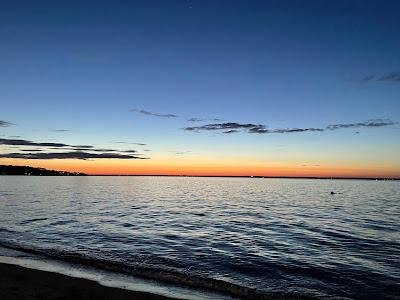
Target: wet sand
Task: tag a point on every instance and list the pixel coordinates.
(22, 283)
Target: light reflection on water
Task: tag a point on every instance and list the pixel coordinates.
(269, 234)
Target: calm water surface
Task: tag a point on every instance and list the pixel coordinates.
(260, 235)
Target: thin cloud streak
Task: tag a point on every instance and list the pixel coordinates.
(5, 123)
(153, 114)
(393, 77)
(69, 155)
(139, 144)
(20, 142)
(370, 123)
(194, 119)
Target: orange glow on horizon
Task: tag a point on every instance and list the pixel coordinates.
(208, 168)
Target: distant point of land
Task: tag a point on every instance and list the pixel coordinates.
(25, 170)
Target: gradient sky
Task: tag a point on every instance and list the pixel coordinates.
(100, 72)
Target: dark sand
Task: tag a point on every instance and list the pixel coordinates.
(22, 283)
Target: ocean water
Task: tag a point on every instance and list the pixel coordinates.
(249, 237)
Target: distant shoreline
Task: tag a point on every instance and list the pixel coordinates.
(255, 177)
(31, 171)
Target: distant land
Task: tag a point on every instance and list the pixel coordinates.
(25, 170)
(31, 171)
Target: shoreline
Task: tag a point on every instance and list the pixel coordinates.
(139, 287)
(17, 282)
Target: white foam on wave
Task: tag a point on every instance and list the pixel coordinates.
(105, 278)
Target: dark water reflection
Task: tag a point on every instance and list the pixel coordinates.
(274, 235)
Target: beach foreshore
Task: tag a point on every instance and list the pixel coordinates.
(18, 282)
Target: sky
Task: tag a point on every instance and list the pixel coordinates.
(266, 88)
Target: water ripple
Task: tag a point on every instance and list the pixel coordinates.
(250, 237)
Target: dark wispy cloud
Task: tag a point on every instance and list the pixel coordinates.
(295, 130)
(20, 142)
(5, 124)
(154, 114)
(230, 131)
(393, 77)
(182, 152)
(129, 143)
(368, 78)
(194, 119)
(232, 127)
(370, 123)
(64, 151)
(69, 155)
(229, 127)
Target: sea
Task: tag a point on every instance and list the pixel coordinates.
(207, 237)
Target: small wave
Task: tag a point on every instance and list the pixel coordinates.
(32, 220)
(7, 230)
(6, 193)
(162, 275)
(65, 222)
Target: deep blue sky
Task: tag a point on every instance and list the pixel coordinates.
(81, 65)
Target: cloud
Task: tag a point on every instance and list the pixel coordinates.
(91, 149)
(68, 155)
(60, 130)
(230, 131)
(74, 151)
(393, 77)
(181, 152)
(370, 123)
(19, 142)
(139, 144)
(232, 127)
(154, 114)
(227, 127)
(295, 130)
(368, 78)
(5, 124)
(194, 119)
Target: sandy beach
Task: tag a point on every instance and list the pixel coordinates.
(22, 283)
